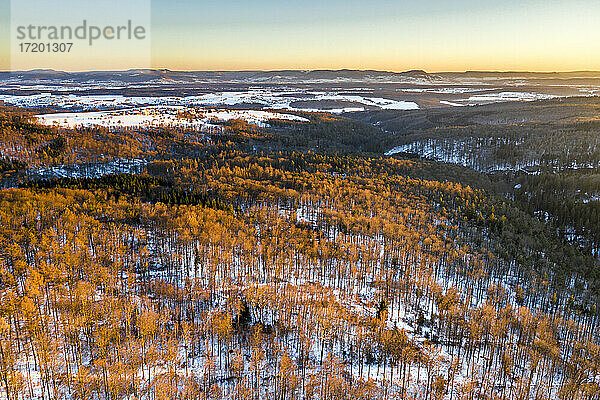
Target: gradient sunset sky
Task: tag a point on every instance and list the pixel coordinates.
(434, 35)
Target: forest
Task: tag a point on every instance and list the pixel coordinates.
(545, 155)
(295, 261)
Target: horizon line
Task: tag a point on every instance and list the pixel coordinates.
(308, 70)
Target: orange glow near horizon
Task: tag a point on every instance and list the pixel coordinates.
(531, 35)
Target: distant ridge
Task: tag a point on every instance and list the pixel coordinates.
(140, 75)
(525, 73)
(283, 77)
(304, 71)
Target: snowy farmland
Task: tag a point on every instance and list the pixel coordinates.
(318, 91)
(290, 100)
(161, 116)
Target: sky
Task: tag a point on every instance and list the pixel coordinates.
(398, 35)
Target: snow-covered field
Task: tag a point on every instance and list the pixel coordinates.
(448, 90)
(507, 96)
(332, 100)
(311, 91)
(161, 116)
(268, 99)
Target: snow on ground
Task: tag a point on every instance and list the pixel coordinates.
(280, 98)
(447, 90)
(147, 117)
(449, 103)
(89, 170)
(508, 96)
(269, 99)
(591, 199)
(252, 116)
(459, 152)
(336, 110)
(384, 104)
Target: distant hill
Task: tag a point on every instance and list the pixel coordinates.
(144, 75)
